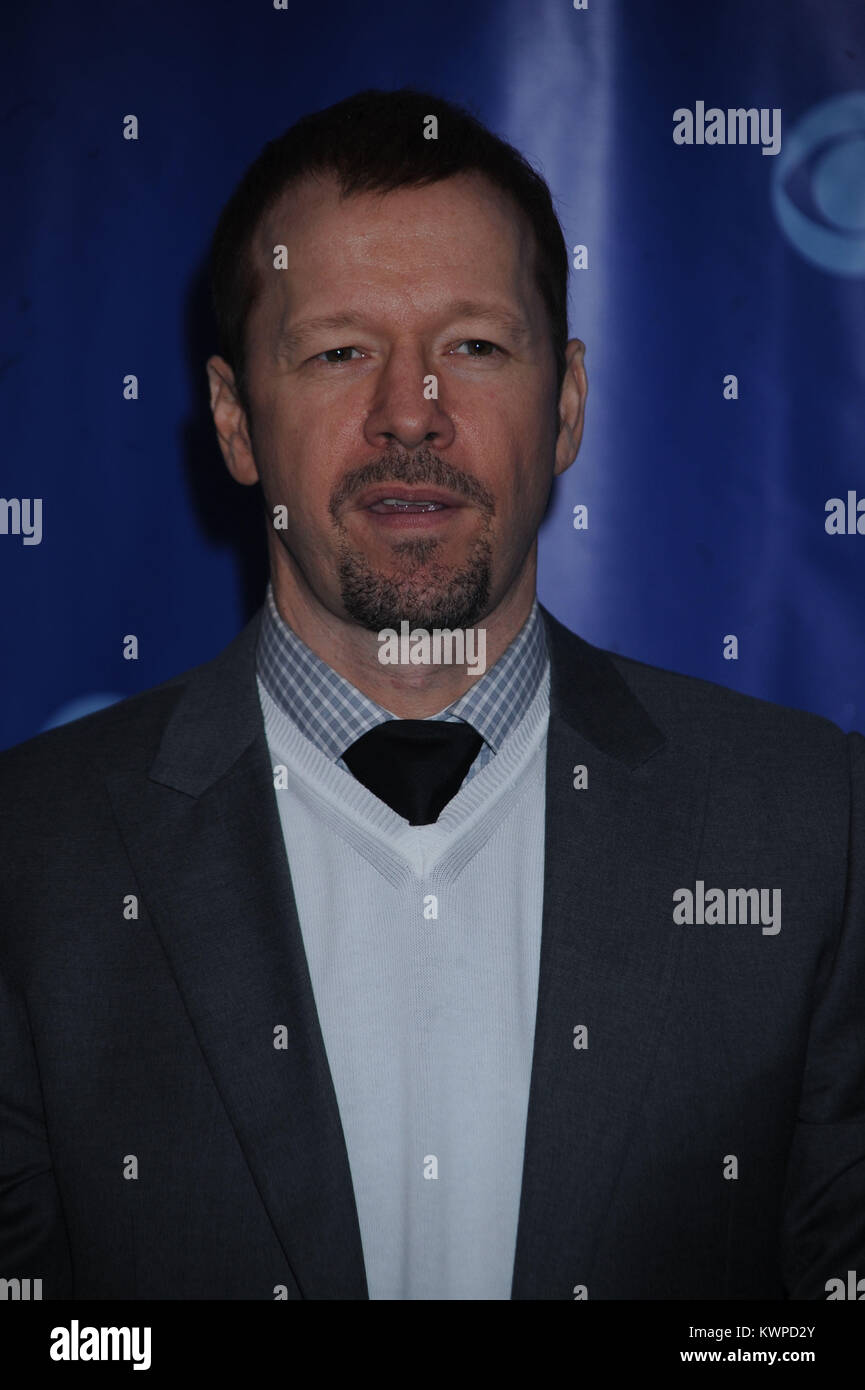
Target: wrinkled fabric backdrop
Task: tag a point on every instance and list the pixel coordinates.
(706, 516)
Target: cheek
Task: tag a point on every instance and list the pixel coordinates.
(302, 468)
(284, 447)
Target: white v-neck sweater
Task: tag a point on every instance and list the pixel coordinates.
(423, 945)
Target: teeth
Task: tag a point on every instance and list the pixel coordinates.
(413, 506)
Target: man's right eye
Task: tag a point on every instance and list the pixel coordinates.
(330, 355)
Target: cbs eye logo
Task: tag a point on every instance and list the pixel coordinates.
(818, 185)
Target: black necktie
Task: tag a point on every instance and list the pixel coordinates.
(414, 765)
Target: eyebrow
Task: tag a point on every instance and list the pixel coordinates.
(290, 338)
(514, 324)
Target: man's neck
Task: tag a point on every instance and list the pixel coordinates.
(407, 690)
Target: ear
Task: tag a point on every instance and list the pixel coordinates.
(232, 427)
(572, 405)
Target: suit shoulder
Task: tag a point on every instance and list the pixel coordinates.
(129, 732)
(682, 702)
(131, 727)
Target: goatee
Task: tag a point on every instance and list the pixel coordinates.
(419, 588)
(428, 595)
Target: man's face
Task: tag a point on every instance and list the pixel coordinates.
(404, 353)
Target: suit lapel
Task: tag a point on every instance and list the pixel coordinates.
(615, 852)
(204, 837)
(203, 834)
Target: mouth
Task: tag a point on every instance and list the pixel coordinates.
(394, 500)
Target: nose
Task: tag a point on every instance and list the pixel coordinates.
(405, 409)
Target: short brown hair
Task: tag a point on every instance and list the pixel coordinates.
(373, 142)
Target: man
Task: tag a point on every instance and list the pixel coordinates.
(535, 976)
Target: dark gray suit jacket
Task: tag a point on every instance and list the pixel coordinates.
(152, 1039)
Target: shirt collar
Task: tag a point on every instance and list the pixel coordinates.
(333, 713)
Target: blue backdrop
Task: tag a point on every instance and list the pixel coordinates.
(706, 516)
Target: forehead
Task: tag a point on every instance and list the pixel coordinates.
(456, 238)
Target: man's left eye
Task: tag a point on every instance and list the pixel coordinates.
(486, 348)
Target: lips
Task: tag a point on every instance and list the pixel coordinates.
(391, 497)
(392, 504)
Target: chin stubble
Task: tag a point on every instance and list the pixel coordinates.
(426, 594)
(424, 591)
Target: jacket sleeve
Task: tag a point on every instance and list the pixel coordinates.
(33, 1237)
(823, 1233)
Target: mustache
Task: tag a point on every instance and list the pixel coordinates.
(420, 466)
